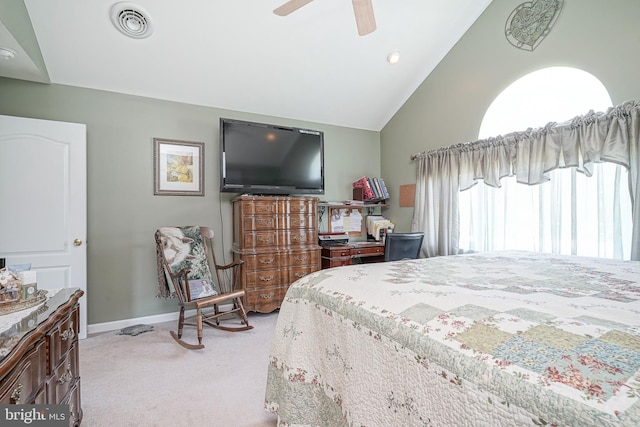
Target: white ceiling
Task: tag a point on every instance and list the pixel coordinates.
(236, 54)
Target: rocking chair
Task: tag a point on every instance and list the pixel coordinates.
(185, 255)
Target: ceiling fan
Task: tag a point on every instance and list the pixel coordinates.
(363, 10)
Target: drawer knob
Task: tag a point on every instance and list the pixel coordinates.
(266, 279)
(267, 261)
(68, 334)
(67, 376)
(15, 395)
(301, 258)
(267, 296)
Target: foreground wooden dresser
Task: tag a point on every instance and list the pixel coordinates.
(39, 356)
(277, 238)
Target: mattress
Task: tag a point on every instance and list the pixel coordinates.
(504, 338)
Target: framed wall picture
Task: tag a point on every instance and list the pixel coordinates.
(178, 168)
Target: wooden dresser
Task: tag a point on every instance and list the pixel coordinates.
(39, 355)
(277, 238)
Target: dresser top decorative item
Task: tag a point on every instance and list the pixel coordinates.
(531, 22)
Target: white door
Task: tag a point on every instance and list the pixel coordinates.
(43, 202)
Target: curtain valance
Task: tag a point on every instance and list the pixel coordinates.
(529, 155)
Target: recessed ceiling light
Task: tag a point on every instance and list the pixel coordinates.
(6, 53)
(393, 57)
(131, 20)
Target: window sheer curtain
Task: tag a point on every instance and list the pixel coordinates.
(536, 156)
(570, 214)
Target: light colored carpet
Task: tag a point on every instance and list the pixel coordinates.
(150, 380)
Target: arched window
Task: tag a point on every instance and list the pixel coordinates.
(570, 214)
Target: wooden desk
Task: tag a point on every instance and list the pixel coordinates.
(352, 253)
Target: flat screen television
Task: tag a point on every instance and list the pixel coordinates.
(259, 158)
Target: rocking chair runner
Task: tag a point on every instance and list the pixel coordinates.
(183, 264)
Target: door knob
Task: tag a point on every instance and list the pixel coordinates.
(77, 242)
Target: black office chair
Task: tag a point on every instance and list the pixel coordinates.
(402, 246)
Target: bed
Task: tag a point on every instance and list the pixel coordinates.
(504, 338)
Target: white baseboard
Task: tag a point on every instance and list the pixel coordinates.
(119, 324)
(157, 318)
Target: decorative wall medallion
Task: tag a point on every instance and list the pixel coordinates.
(530, 22)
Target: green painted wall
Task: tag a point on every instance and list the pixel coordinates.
(598, 36)
(123, 213)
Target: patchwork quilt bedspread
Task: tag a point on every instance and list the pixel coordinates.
(504, 338)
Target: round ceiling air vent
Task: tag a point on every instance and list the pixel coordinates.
(6, 53)
(131, 20)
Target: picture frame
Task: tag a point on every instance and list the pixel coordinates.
(178, 168)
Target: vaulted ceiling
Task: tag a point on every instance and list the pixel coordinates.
(310, 65)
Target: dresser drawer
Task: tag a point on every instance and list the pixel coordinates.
(265, 300)
(62, 337)
(264, 206)
(367, 251)
(336, 251)
(260, 222)
(22, 384)
(303, 258)
(266, 278)
(300, 206)
(262, 261)
(260, 239)
(296, 273)
(300, 237)
(63, 376)
(299, 221)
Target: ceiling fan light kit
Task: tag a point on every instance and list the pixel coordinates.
(362, 9)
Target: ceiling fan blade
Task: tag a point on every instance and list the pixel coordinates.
(365, 19)
(290, 6)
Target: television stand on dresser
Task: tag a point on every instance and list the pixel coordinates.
(277, 238)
